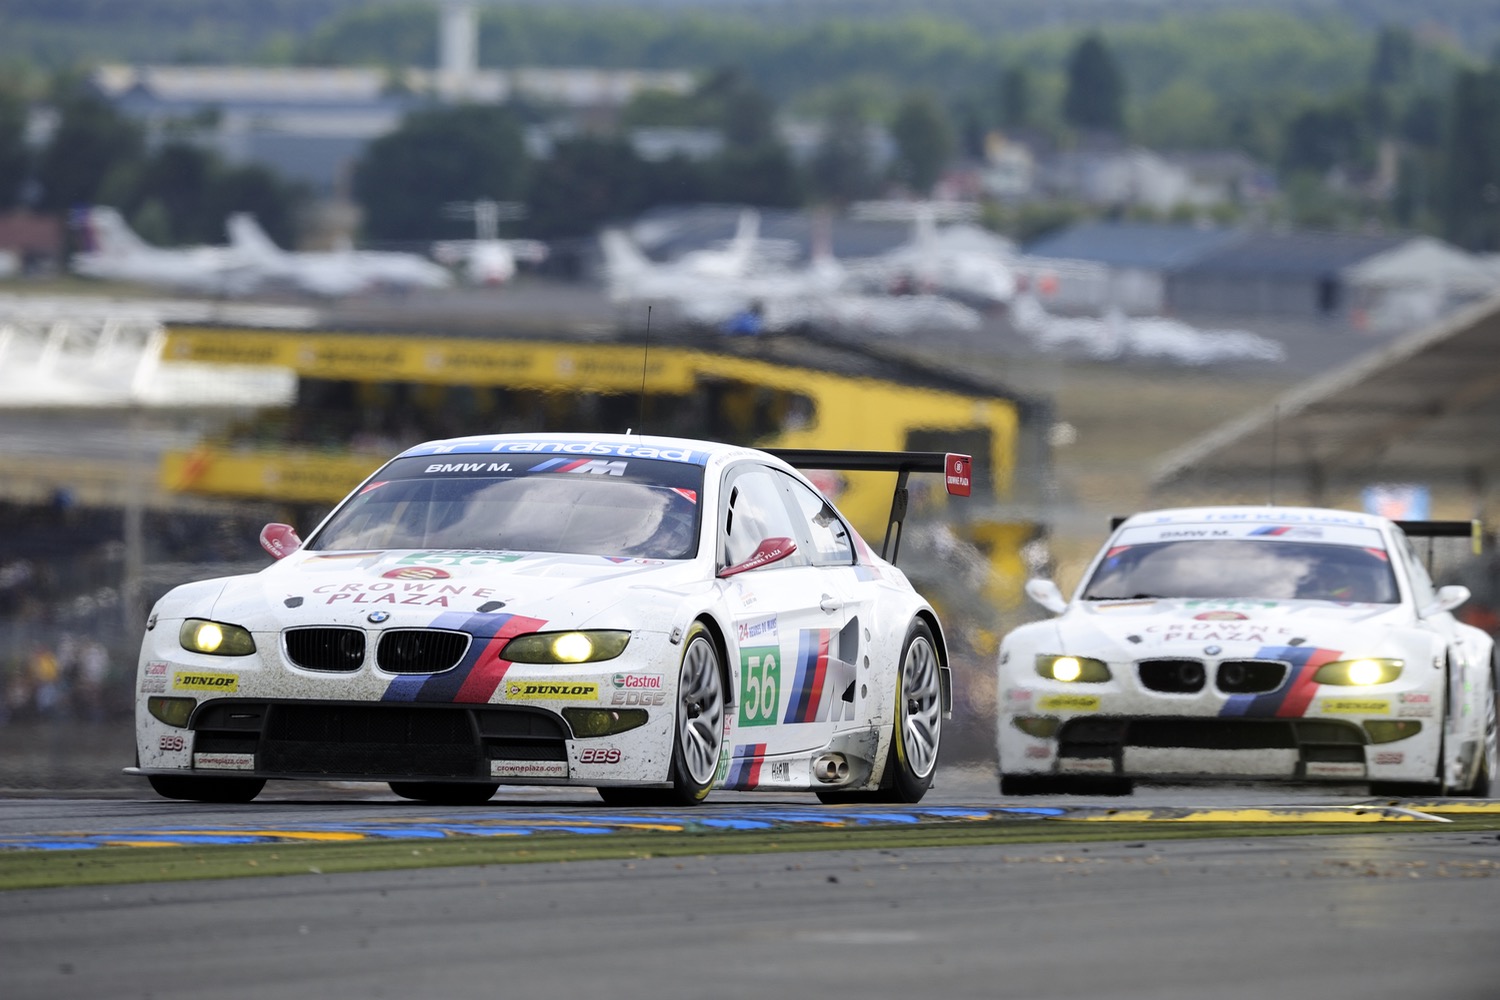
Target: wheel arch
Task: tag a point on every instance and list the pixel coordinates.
(717, 635)
(940, 646)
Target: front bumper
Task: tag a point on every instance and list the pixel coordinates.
(261, 716)
(269, 738)
(1395, 735)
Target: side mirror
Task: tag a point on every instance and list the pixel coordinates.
(1448, 598)
(1045, 593)
(280, 540)
(768, 551)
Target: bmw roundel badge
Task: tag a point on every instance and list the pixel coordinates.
(1207, 650)
(376, 617)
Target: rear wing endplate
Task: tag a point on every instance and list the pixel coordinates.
(958, 472)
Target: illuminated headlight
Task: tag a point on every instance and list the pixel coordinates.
(217, 638)
(1072, 668)
(566, 647)
(1358, 673)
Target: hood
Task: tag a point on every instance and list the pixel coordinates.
(414, 588)
(1140, 629)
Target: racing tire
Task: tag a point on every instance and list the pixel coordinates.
(1049, 784)
(1405, 790)
(700, 719)
(698, 730)
(196, 789)
(1489, 753)
(446, 793)
(634, 798)
(1029, 784)
(916, 734)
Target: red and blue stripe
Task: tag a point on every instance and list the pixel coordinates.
(812, 671)
(744, 766)
(479, 674)
(1289, 701)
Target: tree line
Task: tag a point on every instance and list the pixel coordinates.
(174, 190)
(1415, 116)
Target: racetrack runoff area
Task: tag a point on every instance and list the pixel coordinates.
(272, 840)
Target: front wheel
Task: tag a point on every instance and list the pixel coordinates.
(700, 719)
(1489, 752)
(196, 789)
(698, 731)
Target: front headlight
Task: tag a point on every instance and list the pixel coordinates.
(566, 647)
(216, 638)
(1359, 673)
(1082, 669)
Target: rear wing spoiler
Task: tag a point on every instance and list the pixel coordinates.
(1472, 530)
(958, 472)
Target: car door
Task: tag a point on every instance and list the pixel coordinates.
(1462, 721)
(784, 620)
(830, 542)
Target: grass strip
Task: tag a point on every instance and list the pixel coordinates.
(121, 865)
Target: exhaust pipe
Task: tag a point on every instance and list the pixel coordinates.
(831, 768)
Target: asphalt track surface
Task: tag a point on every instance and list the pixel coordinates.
(1384, 912)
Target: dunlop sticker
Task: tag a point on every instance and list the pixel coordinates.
(222, 683)
(550, 691)
(1355, 706)
(1068, 703)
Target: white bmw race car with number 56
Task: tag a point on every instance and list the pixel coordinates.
(1288, 643)
(653, 617)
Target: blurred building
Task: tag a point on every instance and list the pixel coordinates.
(310, 125)
(1367, 283)
(29, 242)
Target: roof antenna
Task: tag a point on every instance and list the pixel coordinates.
(1275, 429)
(645, 361)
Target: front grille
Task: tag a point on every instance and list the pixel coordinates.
(1172, 676)
(1250, 676)
(420, 650)
(370, 739)
(321, 648)
(381, 741)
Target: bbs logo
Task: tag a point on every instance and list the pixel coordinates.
(599, 755)
(171, 741)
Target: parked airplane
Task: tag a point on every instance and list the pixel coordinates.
(331, 273)
(819, 295)
(730, 261)
(710, 281)
(487, 259)
(960, 261)
(116, 253)
(1116, 335)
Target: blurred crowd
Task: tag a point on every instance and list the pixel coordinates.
(72, 679)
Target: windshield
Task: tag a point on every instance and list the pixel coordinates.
(640, 508)
(1245, 568)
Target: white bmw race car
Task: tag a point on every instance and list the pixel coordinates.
(653, 617)
(1286, 643)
